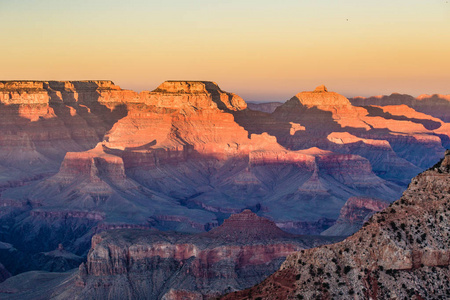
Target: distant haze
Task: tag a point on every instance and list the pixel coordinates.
(261, 50)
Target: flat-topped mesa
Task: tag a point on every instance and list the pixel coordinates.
(247, 225)
(319, 109)
(23, 92)
(45, 92)
(193, 95)
(34, 85)
(81, 85)
(21, 85)
(320, 97)
(186, 87)
(90, 91)
(92, 164)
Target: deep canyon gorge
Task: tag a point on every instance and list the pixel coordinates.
(187, 191)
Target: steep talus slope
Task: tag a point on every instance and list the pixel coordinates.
(402, 252)
(41, 121)
(147, 264)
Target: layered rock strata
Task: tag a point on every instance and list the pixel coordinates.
(401, 252)
(435, 105)
(145, 264)
(81, 157)
(355, 212)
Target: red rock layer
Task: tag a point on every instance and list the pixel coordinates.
(229, 256)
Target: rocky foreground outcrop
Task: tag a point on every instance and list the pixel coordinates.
(148, 264)
(402, 252)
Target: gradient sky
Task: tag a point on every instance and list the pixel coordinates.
(261, 50)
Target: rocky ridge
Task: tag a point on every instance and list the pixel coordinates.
(86, 156)
(148, 264)
(435, 105)
(267, 107)
(401, 252)
(177, 131)
(355, 212)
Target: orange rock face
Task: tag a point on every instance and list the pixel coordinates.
(187, 154)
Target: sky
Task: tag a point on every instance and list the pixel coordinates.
(261, 50)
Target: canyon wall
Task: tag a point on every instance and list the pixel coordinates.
(81, 157)
(401, 252)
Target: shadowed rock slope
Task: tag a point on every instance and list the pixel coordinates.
(80, 157)
(267, 107)
(145, 264)
(435, 105)
(402, 252)
(355, 212)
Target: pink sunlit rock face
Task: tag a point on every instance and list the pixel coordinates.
(81, 157)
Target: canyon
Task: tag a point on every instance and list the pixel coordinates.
(402, 252)
(150, 264)
(84, 158)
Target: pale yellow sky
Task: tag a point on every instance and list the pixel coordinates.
(261, 50)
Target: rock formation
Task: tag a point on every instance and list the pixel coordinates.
(148, 264)
(81, 157)
(436, 105)
(267, 107)
(355, 212)
(401, 252)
